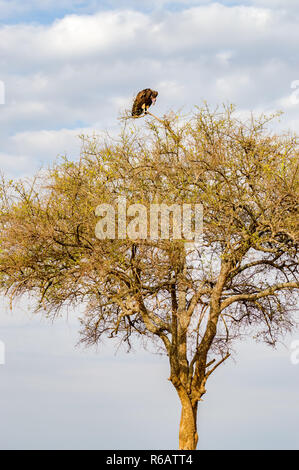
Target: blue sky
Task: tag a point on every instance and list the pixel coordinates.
(71, 67)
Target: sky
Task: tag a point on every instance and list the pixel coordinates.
(71, 67)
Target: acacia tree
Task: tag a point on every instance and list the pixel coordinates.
(191, 300)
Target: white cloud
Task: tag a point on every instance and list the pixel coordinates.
(30, 151)
(87, 35)
(81, 70)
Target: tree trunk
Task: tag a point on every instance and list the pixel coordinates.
(188, 436)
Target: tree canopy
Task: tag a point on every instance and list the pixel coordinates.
(192, 299)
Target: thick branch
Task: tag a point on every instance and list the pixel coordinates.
(258, 295)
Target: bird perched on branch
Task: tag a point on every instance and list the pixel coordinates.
(143, 101)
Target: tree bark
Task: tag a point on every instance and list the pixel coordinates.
(188, 436)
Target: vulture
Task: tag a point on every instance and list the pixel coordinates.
(143, 101)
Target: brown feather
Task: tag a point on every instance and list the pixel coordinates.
(143, 101)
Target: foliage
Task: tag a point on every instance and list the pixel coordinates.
(192, 300)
